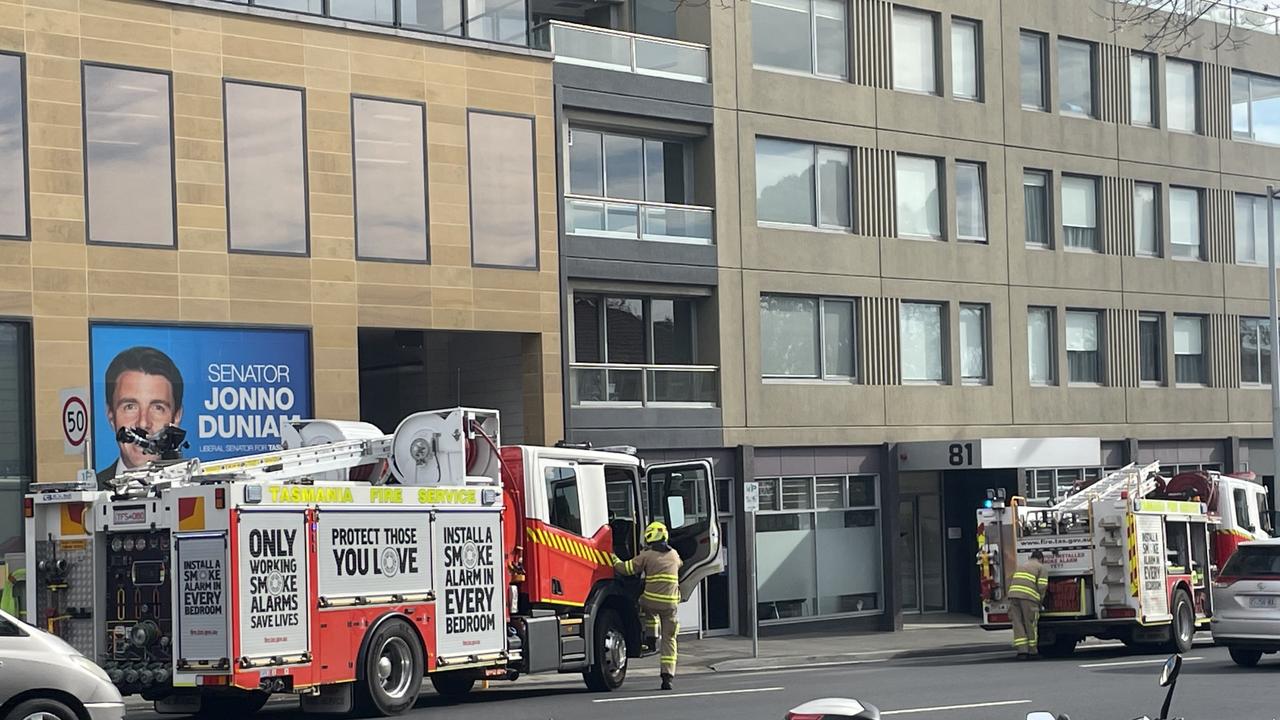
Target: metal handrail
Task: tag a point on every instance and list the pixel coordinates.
(643, 203)
(1233, 10)
(544, 34)
(620, 33)
(634, 366)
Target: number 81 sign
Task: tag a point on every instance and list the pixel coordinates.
(74, 418)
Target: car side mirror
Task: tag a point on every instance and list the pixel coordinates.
(1172, 668)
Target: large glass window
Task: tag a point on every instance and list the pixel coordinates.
(966, 59)
(1182, 95)
(1251, 229)
(1146, 219)
(1075, 77)
(1142, 94)
(564, 506)
(16, 462)
(819, 547)
(921, 338)
(919, 199)
(915, 52)
(1084, 347)
(1151, 348)
(266, 169)
(504, 206)
(129, 156)
(807, 36)
(1188, 349)
(380, 12)
(390, 179)
(1255, 351)
(438, 16)
(13, 148)
(971, 202)
(1041, 353)
(1184, 222)
(1080, 212)
(805, 337)
(504, 21)
(1031, 59)
(1255, 107)
(1036, 208)
(973, 344)
(803, 184)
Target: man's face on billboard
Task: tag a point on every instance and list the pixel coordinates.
(145, 401)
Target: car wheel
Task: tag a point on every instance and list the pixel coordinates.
(41, 709)
(392, 669)
(231, 704)
(1182, 631)
(610, 643)
(452, 685)
(1245, 658)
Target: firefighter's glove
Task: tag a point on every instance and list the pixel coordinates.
(614, 559)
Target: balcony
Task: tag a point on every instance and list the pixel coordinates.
(624, 52)
(598, 384)
(1224, 12)
(638, 220)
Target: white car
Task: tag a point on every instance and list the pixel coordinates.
(43, 678)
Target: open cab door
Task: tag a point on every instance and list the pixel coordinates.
(682, 496)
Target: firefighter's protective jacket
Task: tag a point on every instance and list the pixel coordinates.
(660, 566)
(1030, 581)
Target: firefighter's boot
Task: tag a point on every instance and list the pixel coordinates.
(666, 681)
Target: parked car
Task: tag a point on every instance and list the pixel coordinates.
(834, 709)
(43, 678)
(1246, 602)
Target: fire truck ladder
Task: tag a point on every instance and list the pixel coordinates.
(1140, 482)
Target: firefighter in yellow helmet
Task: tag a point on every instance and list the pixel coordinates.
(660, 564)
(1026, 594)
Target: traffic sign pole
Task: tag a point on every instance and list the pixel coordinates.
(751, 504)
(74, 418)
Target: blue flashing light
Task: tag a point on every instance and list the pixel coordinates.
(988, 504)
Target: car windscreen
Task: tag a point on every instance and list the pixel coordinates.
(1258, 561)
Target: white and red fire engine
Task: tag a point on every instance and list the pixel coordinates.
(350, 565)
(1130, 557)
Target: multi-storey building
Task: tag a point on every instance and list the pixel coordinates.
(841, 246)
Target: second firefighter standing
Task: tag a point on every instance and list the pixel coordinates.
(659, 564)
(1026, 595)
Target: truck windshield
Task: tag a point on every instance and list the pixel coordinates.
(1259, 561)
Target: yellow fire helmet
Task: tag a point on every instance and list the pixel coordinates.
(655, 532)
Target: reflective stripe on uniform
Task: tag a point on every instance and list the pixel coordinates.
(1028, 593)
(663, 578)
(671, 599)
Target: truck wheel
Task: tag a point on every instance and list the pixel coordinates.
(231, 704)
(41, 709)
(1061, 647)
(1245, 658)
(1182, 631)
(391, 670)
(610, 644)
(452, 685)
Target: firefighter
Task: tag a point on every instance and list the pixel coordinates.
(660, 564)
(1026, 593)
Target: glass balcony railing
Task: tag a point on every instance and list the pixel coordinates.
(1223, 12)
(628, 220)
(625, 52)
(643, 385)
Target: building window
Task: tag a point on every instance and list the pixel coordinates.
(921, 338)
(804, 337)
(1142, 95)
(1054, 484)
(390, 179)
(1255, 107)
(1041, 353)
(266, 169)
(1146, 219)
(504, 200)
(16, 444)
(13, 148)
(919, 200)
(803, 184)
(1036, 208)
(503, 21)
(966, 59)
(819, 547)
(1255, 351)
(1080, 212)
(1251, 229)
(1184, 220)
(638, 350)
(1075, 77)
(562, 496)
(1031, 58)
(1084, 354)
(1182, 95)
(1151, 348)
(974, 341)
(805, 36)
(128, 156)
(915, 52)
(971, 203)
(1188, 349)
(436, 16)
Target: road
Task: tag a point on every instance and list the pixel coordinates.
(1098, 684)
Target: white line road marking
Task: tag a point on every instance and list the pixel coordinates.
(1135, 662)
(941, 708)
(666, 696)
(783, 669)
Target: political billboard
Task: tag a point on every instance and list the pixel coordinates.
(230, 388)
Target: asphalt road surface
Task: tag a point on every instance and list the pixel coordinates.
(1101, 684)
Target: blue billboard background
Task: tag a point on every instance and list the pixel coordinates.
(240, 384)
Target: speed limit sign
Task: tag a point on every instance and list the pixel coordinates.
(74, 417)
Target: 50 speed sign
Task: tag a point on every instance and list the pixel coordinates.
(74, 418)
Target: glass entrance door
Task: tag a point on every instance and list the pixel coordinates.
(921, 560)
(719, 596)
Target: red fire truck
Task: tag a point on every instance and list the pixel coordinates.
(349, 566)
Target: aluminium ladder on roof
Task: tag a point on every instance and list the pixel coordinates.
(1140, 482)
